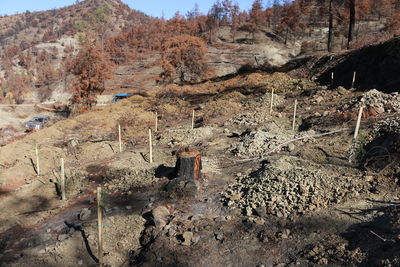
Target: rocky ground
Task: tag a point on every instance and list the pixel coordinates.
(269, 195)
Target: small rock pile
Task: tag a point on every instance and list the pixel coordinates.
(382, 144)
(320, 94)
(291, 186)
(257, 143)
(261, 141)
(333, 250)
(376, 100)
(391, 125)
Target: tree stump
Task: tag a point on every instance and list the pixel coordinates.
(188, 164)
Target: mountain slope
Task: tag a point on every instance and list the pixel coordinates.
(29, 28)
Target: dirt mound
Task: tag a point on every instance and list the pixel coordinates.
(259, 142)
(221, 107)
(373, 99)
(280, 82)
(376, 67)
(388, 125)
(292, 186)
(381, 148)
(257, 110)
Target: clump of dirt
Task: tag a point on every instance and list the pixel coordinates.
(293, 186)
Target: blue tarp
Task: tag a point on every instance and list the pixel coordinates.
(123, 95)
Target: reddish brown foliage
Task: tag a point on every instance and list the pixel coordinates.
(183, 57)
(15, 86)
(92, 68)
(11, 51)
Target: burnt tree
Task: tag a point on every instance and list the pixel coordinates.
(352, 22)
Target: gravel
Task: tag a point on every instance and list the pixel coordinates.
(391, 125)
(291, 186)
(261, 141)
(376, 100)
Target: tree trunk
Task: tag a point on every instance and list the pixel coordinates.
(188, 164)
(330, 31)
(286, 35)
(352, 21)
(182, 77)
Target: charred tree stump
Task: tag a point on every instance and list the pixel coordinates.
(188, 164)
(187, 174)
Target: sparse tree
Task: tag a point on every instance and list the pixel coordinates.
(235, 12)
(256, 13)
(293, 18)
(194, 13)
(96, 22)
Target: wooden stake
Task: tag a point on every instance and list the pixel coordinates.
(354, 141)
(272, 101)
(294, 114)
(358, 122)
(332, 76)
(37, 159)
(354, 79)
(119, 138)
(150, 147)
(193, 119)
(99, 227)
(156, 128)
(63, 197)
